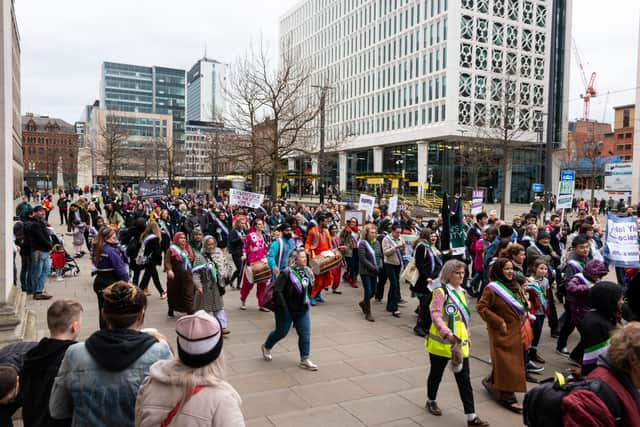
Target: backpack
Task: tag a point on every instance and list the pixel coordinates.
(543, 404)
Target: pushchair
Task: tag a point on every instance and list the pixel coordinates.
(70, 264)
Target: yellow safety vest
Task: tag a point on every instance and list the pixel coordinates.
(437, 345)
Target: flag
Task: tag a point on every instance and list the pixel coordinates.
(456, 227)
(445, 212)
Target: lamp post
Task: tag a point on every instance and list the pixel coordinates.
(323, 96)
(462, 132)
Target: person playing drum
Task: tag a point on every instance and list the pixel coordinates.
(318, 241)
(255, 250)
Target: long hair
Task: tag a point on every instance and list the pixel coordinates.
(425, 235)
(366, 230)
(152, 228)
(496, 273)
(99, 242)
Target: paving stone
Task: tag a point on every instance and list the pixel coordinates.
(332, 415)
(271, 402)
(380, 409)
(325, 393)
(381, 383)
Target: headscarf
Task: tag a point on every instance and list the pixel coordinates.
(186, 247)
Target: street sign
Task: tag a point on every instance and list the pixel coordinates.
(537, 188)
(565, 191)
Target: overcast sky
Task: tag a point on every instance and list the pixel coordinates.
(64, 42)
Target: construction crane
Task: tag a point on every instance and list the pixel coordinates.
(589, 89)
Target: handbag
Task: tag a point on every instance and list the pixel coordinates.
(526, 333)
(410, 273)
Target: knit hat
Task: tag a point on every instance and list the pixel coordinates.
(199, 339)
(595, 268)
(283, 227)
(542, 235)
(37, 208)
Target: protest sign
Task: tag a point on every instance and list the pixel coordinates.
(393, 205)
(245, 198)
(476, 202)
(358, 215)
(565, 192)
(366, 204)
(149, 190)
(621, 247)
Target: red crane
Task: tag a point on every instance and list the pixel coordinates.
(589, 89)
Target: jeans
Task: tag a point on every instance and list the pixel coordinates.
(25, 270)
(476, 281)
(301, 322)
(40, 270)
(438, 365)
(369, 284)
(393, 274)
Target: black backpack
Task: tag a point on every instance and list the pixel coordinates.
(543, 404)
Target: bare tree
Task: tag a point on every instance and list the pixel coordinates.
(112, 153)
(501, 130)
(284, 97)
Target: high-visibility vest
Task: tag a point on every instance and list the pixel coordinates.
(437, 345)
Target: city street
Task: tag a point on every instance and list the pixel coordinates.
(369, 373)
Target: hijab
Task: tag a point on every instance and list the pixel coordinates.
(186, 247)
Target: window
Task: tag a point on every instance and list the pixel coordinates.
(625, 118)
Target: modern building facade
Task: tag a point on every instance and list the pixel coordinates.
(206, 82)
(141, 144)
(620, 142)
(152, 90)
(49, 144)
(417, 85)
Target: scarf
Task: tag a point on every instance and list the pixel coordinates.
(509, 297)
(463, 308)
(301, 283)
(398, 253)
(540, 293)
(372, 252)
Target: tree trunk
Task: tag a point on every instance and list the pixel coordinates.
(274, 179)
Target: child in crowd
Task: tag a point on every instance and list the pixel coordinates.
(538, 291)
(77, 233)
(57, 261)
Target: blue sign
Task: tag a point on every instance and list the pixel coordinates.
(568, 176)
(537, 188)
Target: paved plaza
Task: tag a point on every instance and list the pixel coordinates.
(370, 374)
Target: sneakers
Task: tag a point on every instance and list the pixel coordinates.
(264, 309)
(478, 422)
(563, 352)
(266, 353)
(308, 364)
(243, 306)
(163, 295)
(312, 301)
(319, 298)
(337, 292)
(534, 356)
(59, 279)
(532, 367)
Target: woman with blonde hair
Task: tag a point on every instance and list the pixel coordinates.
(370, 264)
(190, 390)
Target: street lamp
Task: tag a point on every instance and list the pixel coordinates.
(323, 96)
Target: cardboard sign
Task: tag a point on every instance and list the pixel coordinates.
(245, 198)
(476, 202)
(565, 192)
(358, 215)
(366, 204)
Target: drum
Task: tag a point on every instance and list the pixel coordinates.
(258, 272)
(324, 262)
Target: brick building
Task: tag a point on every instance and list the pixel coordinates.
(48, 142)
(620, 141)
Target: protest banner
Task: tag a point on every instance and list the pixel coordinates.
(150, 190)
(565, 191)
(393, 205)
(366, 204)
(476, 202)
(245, 198)
(358, 215)
(621, 244)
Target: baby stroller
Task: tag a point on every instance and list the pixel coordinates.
(70, 265)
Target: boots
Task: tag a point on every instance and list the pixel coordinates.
(367, 313)
(362, 307)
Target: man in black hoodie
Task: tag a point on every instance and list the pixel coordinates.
(11, 362)
(41, 363)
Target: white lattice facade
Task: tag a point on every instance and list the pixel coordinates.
(406, 71)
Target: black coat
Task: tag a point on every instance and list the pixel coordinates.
(287, 295)
(38, 236)
(235, 242)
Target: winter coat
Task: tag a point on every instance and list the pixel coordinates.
(428, 264)
(289, 296)
(41, 365)
(217, 404)
(366, 265)
(98, 379)
(211, 299)
(507, 356)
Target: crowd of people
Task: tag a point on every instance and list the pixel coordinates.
(519, 272)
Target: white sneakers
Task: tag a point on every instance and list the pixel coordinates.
(243, 305)
(308, 364)
(266, 353)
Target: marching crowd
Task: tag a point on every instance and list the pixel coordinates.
(291, 254)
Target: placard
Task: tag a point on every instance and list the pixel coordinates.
(149, 190)
(621, 247)
(393, 205)
(245, 198)
(366, 204)
(565, 192)
(476, 202)
(358, 215)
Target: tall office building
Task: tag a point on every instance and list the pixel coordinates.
(205, 90)
(139, 89)
(415, 83)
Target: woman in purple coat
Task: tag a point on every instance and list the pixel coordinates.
(109, 263)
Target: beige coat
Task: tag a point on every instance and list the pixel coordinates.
(217, 404)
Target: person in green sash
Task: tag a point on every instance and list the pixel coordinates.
(448, 339)
(503, 306)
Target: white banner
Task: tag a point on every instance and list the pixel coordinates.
(621, 247)
(366, 204)
(476, 202)
(393, 205)
(245, 198)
